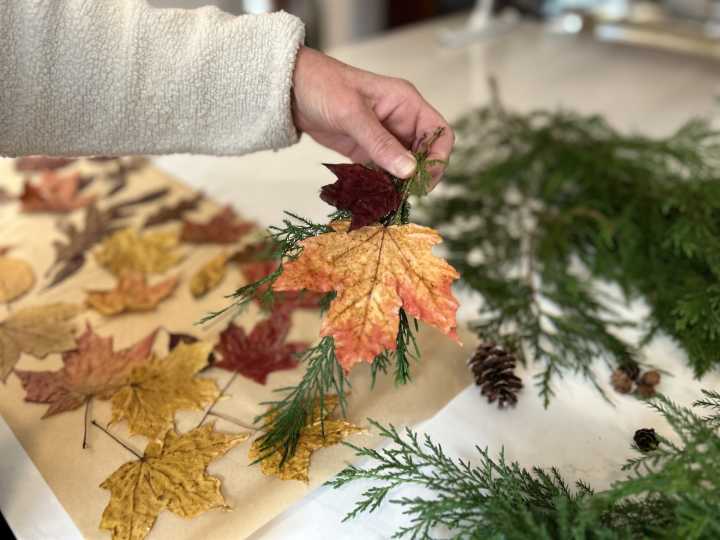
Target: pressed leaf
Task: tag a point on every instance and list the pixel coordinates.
(173, 212)
(16, 278)
(223, 228)
(156, 390)
(375, 271)
(38, 331)
(94, 368)
(41, 163)
(128, 251)
(176, 338)
(54, 192)
(319, 432)
(262, 351)
(209, 275)
(368, 194)
(132, 293)
(171, 476)
(255, 271)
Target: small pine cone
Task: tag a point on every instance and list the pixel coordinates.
(493, 368)
(650, 378)
(621, 382)
(645, 391)
(646, 440)
(632, 370)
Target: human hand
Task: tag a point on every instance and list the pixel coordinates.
(364, 116)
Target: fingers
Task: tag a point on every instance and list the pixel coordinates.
(380, 145)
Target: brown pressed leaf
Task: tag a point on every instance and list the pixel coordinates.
(261, 352)
(209, 275)
(319, 432)
(16, 278)
(223, 228)
(93, 369)
(170, 476)
(128, 251)
(368, 194)
(38, 331)
(375, 271)
(41, 163)
(53, 192)
(132, 293)
(155, 391)
(173, 212)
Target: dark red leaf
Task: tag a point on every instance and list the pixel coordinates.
(223, 228)
(368, 194)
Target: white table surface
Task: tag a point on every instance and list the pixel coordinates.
(580, 433)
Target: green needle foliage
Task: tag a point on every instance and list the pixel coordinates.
(537, 209)
(672, 492)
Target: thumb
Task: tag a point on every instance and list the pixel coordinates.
(381, 145)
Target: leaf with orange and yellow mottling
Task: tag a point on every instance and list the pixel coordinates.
(375, 271)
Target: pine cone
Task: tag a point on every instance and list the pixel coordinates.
(646, 440)
(651, 378)
(621, 382)
(631, 369)
(493, 368)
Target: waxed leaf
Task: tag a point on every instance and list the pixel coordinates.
(16, 278)
(132, 293)
(173, 212)
(223, 228)
(375, 271)
(38, 331)
(209, 275)
(260, 352)
(156, 390)
(171, 476)
(128, 251)
(41, 163)
(94, 368)
(368, 194)
(319, 432)
(54, 192)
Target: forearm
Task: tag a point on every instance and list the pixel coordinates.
(81, 77)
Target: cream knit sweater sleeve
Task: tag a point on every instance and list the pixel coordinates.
(117, 77)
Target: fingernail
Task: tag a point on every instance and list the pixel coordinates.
(404, 166)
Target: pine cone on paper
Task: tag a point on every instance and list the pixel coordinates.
(494, 371)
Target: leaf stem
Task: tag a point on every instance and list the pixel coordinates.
(117, 440)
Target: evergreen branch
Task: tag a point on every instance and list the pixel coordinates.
(672, 492)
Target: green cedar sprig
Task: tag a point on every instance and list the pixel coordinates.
(672, 492)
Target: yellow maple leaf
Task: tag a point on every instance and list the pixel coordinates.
(126, 250)
(132, 293)
(171, 475)
(16, 278)
(38, 331)
(209, 276)
(319, 432)
(375, 270)
(155, 391)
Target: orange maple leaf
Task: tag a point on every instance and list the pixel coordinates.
(93, 369)
(375, 271)
(132, 293)
(54, 192)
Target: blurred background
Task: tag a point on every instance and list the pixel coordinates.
(687, 25)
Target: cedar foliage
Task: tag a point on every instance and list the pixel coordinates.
(538, 208)
(671, 492)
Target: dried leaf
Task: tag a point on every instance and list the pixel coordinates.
(173, 212)
(4, 250)
(92, 369)
(368, 194)
(38, 331)
(223, 228)
(176, 338)
(171, 475)
(375, 271)
(289, 300)
(150, 196)
(319, 432)
(16, 278)
(132, 293)
(209, 276)
(261, 352)
(41, 163)
(54, 192)
(128, 251)
(156, 390)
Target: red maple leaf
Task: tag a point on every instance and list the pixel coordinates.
(223, 228)
(368, 194)
(261, 352)
(289, 300)
(54, 192)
